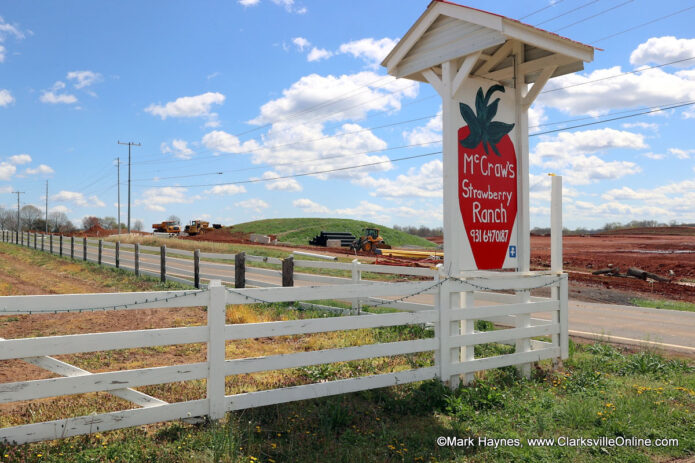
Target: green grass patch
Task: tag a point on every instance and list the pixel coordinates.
(301, 230)
(663, 304)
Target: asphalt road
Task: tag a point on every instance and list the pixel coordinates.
(657, 328)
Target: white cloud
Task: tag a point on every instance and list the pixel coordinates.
(42, 169)
(423, 182)
(219, 140)
(179, 148)
(3, 50)
(681, 154)
(78, 199)
(536, 116)
(310, 206)
(640, 125)
(249, 2)
(664, 49)
(220, 190)
(370, 50)
(60, 208)
(654, 156)
(254, 203)
(428, 133)
(6, 97)
(188, 106)
(20, 159)
(83, 78)
(568, 154)
(653, 87)
(301, 43)
(7, 30)
(285, 184)
(7, 170)
(154, 199)
(317, 54)
(53, 95)
(289, 5)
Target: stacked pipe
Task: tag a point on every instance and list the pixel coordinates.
(346, 238)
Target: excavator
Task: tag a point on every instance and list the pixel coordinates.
(370, 241)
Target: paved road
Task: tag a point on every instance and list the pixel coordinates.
(668, 329)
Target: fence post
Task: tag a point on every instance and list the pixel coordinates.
(556, 257)
(523, 344)
(50, 239)
(163, 263)
(137, 260)
(564, 317)
(101, 250)
(196, 268)
(216, 350)
(60, 244)
(21, 238)
(445, 328)
(72, 247)
(118, 254)
(356, 277)
(240, 270)
(16, 234)
(467, 326)
(42, 246)
(288, 271)
(84, 249)
(35, 238)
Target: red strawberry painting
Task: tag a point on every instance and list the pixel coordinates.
(487, 180)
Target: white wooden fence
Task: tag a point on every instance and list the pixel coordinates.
(452, 315)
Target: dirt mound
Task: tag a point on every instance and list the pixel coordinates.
(220, 235)
(668, 231)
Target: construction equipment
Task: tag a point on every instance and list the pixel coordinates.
(370, 241)
(168, 226)
(196, 227)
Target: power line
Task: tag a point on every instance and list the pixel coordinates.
(304, 174)
(567, 12)
(594, 15)
(541, 9)
(643, 24)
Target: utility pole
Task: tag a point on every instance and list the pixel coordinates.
(19, 228)
(130, 143)
(118, 167)
(46, 207)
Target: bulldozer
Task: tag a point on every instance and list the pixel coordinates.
(197, 227)
(168, 226)
(370, 241)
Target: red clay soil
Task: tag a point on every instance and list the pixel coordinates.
(656, 254)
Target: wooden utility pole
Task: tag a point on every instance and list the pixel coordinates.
(130, 143)
(118, 182)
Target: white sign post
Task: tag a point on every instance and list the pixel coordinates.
(481, 64)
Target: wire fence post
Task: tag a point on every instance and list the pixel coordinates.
(42, 245)
(21, 238)
(163, 263)
(72, 247)
(136, 259)
(50, 240)
(35, 238)
(196, 268)
(118, 254)
(216, 350)
(100, 252)
(240, 270)
(84, 249)
(60, 244)
(356, 277)
(288, 271)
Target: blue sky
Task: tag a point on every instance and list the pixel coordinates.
(259, 89)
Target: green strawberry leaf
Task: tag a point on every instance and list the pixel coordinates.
(496, 130)
(481, 106)
(492, 110)
(468, 114)
(473, 138)
(492, 90)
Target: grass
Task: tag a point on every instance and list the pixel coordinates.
(301, 230)
(663, 304)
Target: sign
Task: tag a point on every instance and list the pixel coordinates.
(487, 177)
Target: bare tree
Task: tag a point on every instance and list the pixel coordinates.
(138, 226)
(174, 218)
(58, 221)
(89, 222)
(30, 215)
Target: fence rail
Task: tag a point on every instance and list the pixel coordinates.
(452, 315)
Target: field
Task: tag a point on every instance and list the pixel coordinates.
(601, 391)
(300, 231)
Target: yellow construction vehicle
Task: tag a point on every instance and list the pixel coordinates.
(168, 226)
(197, 227)
(369, 241)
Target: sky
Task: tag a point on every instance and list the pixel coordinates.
(241, 107)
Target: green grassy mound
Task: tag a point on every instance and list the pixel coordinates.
(301, 230)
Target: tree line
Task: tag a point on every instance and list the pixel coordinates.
(34, 219)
